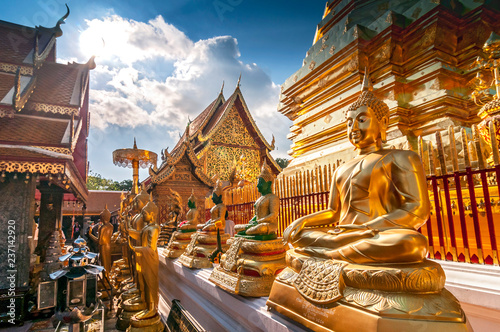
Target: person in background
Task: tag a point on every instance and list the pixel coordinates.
(76, 230)
(229, 229)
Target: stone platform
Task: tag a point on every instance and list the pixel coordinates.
(213, 308)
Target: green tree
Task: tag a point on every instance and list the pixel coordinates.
(96, 182)
(282, 162)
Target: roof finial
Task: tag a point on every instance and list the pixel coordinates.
(135, 144)
(57, 29)
(239, 80)
(366, 86)
(222, 88)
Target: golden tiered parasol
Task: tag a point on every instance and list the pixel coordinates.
(134, 158)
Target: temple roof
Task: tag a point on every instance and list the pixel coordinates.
(43, 108)
(56, 84)
(208, 121)
(33, 130)
(167, 168)
(18, 44)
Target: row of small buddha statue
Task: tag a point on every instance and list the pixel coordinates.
(361, 263)
(139, 295)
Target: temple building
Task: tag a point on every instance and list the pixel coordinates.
(419, 55)
(44, 124)
(212, 143)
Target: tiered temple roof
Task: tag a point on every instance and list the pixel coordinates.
(44, 115)
(220, 135)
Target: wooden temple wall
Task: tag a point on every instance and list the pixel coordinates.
(463, 189)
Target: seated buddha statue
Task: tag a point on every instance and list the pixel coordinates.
(255, 254)
(181, 238)
(170, 226)
(147, 271)
(365, 250)
(265, 221)
(204, 241)
(217, 212)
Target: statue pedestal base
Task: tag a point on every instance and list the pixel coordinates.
(240, 284)
(249, 266)
(153, 324)
(129, 310)
(328, 295)
(199, 249)
(341, 316)
(178, 244)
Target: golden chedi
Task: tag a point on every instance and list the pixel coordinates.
(204, 240)
(361, 265)
(255, 255)
(181, 238)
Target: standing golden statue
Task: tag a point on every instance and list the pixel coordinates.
(181, 238)
(104, 240)
(204, 241)
(132, 300)
(360, 265)
(147, 262)
(255, 254)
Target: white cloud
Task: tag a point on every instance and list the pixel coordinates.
(151, 74)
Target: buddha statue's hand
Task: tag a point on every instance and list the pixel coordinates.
(291, 231)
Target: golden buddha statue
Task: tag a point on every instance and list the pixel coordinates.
(181, 238)
(169, 227)
(131, 301)
(204, 240)
(255, 255)
(361, 264)
(217, 213)
(147, 261)
(104, 240)
(120, 269)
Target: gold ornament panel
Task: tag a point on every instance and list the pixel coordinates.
(220, 161)
(234, 131)
(31, 167)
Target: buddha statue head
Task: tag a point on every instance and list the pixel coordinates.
(192, 201)
(265, 179)
(140, 201)
(367, 120)
(105, 215)
(217, 193)
(150, 212)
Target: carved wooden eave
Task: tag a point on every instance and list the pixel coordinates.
(39, 58)
(273, 162)
(21, 96)
(167, 169)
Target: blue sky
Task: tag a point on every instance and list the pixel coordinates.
(165, 60)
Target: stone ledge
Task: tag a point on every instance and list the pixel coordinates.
(213, 308)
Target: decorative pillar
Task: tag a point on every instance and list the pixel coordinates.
(50, 214)
(17, 210)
